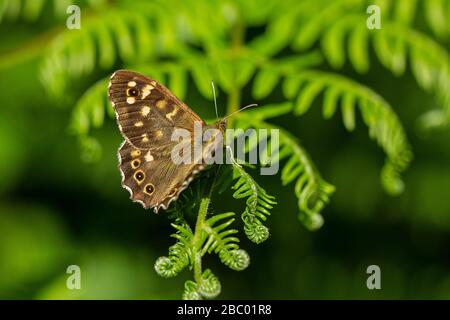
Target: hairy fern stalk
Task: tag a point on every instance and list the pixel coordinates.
(301, 47)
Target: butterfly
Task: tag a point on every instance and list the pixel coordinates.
(147, 114)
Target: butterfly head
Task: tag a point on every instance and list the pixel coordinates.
(221, 124)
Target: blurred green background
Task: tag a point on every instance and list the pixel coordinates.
(57, 210)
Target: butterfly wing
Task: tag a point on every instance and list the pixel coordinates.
(146, 111)
(153, 179)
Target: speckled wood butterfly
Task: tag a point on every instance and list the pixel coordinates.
(147, 114)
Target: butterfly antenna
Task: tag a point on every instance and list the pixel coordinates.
(215, 100)
(239, 110)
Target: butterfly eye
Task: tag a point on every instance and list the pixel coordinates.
(139, 176)
(135, 163)
(132, 92)
(149, 188)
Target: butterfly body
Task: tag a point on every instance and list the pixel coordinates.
(147, 115)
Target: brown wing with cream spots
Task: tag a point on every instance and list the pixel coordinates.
(152, 178)
(146, 111)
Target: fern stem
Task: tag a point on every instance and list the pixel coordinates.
(199, 227)
(233, 102)
(237, 39)
(203, 210)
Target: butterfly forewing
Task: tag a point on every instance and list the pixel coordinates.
(146, 111)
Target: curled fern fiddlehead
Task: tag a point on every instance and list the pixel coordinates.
(179, 254)
(210, 285)
(220, 240)
(258, 204)
(191, 291)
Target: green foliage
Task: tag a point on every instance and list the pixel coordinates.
(311, 190)
(30, 10)
(393, 45)
(265, 48)
(211, 235)
(384, 126)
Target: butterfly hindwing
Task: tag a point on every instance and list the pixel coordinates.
(146, 111)
(153, 179)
